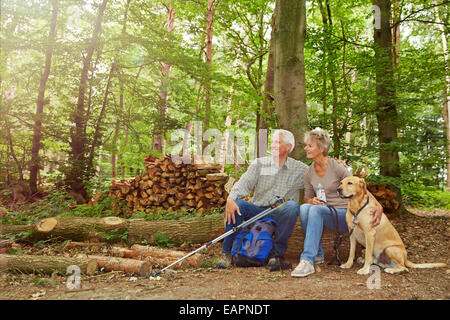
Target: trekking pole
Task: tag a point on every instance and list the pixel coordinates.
(275, 203)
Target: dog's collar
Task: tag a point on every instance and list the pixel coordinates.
(360, 209)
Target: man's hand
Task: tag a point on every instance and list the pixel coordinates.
(343, 162)
(377, 214)
(230, 208)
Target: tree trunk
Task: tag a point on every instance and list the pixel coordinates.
(268, 99)
(79, 168)
(385, 94)
(446, 109)
(209, 36)
(80, 228)
(97, 133)
(396, 17)
(289, 76)
(13, 153)
(114, 230)
(40, 102)
(159, 136)
(45, 264)
(114, 156)
(14, 230)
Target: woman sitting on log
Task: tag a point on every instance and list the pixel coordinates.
(321, 181)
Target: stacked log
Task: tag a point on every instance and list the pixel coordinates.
(158, 257)
(45, 264)
(388, 198)
(128, 266)
(173, 187)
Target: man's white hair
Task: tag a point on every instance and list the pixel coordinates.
(288, 137)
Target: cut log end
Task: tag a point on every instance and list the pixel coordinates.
(112, 221)
(46, 225)
(91, 267)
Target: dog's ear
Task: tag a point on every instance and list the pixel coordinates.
(363, 185)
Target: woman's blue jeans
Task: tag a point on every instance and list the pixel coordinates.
(314, 219)
(286, 218)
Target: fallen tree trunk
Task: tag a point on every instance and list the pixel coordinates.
(115, 230)
(45, 264)
(175, 232)
(68, 228)
(7, 230)
(129, 266)
(79, 228)
(6, 245)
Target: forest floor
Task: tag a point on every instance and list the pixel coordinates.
(426, 235)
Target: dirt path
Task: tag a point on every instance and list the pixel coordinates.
(426, 239)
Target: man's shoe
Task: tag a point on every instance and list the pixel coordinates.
(225, 262)
(275, 262)
(303, 269)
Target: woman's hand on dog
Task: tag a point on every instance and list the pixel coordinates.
(377, 214)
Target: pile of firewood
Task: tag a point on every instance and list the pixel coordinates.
(173, 187)
(388, 198)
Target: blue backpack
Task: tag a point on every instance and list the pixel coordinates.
(251, 246)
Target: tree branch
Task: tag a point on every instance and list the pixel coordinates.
(417, 11)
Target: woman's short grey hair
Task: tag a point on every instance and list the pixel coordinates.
(288, 137)
(321, 137)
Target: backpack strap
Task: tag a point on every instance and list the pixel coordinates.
(241, 241)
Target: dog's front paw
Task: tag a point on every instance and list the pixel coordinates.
(347, 265)
(364, 271)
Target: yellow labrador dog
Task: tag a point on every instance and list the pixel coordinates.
(383, 244)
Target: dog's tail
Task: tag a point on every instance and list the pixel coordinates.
(409, 264)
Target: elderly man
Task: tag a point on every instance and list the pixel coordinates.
(277, 175)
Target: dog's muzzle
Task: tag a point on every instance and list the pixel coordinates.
(342, 196)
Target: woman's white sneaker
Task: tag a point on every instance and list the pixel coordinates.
(303, 269)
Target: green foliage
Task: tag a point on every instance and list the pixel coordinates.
(417, 195)
(209, 263)
(154, 215)
(384, 180)
(44, 282)
(116, 235)
(163, 241)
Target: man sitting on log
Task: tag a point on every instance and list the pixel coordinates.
(276, 175)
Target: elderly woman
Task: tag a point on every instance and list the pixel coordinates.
(321, 181)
